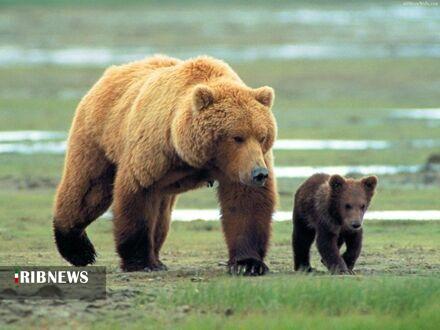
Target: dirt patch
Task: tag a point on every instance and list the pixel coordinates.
(27, 183)
(12, 311)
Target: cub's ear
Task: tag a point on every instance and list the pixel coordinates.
(203, 96)
(336, 182)
(265, 95)
(370, 182)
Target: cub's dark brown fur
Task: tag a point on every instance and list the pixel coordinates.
(332, 209)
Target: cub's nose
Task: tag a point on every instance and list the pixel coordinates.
(356, 224)
(259, 176)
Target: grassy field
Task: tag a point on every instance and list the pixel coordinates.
(351, 98)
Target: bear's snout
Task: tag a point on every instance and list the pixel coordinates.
(259, 176)
(356, 224)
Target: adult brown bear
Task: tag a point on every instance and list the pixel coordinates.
(151, 129)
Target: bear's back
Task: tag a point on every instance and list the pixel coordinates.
(309, 198)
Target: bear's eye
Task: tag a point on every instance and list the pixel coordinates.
(238, 139)
(262, 139)
(348, 206)
(363, 207)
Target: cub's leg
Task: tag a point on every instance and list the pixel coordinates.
(85, 192)
(162, 226)
(135, 213)
(341, 241)
(327, 243)
(246, 219)
(303, 237)
(353, 240)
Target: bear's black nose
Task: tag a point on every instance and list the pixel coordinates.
(356, 225)
(259, 176)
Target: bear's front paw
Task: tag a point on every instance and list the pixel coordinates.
(155, 267)
(248, 267)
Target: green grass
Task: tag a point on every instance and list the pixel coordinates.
(397, 285)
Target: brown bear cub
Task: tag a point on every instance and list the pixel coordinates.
(331, 208)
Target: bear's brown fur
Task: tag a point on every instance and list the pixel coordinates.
(151, 129)
(332, 208)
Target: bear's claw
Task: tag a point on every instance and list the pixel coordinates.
(248, 267)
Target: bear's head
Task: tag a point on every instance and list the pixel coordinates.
(349, 199)
(229, 126)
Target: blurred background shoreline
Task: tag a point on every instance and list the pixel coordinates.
(362, 72)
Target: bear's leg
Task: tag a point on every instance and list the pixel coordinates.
(327, 243)
(84, 193)
(162, 226)
(302, 240)
(135, 214)
(246, 220)
(353, 240)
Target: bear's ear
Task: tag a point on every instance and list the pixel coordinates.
(336, 182)
(203, 97)
(369, 183)
(265, 95)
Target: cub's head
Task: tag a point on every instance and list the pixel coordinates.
(227, 125)
(350, 198)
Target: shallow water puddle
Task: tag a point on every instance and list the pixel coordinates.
(290, 144)
(57, 148)
(306, 171)
(417, 113)
(214, 215)
(12, 136)
(107, 56)
(331, 144)
(280, 171)
(282, 144)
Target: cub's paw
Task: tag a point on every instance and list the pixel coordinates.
(160, 266)
(248, 267)
(341, 271)
(143, 266)
(156, 267)
(305, 269)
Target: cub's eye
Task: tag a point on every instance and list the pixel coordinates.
(348, 206)
(263, 139)
(238, 139)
